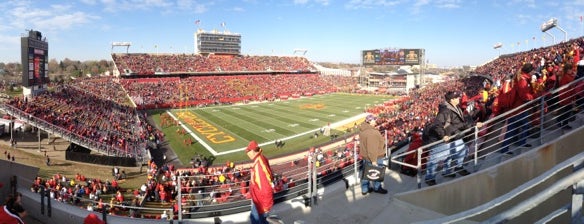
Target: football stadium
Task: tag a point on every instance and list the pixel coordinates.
(165, 138)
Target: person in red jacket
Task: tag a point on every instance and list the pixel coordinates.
(566, 95)
(260, 184)
(518, 124)
(12, 212)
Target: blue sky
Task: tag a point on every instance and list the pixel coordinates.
(453, 32)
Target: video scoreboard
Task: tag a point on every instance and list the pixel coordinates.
(393, 56)
(35, 60)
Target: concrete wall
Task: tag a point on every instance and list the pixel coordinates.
(467, 192)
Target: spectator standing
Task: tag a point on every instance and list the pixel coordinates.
(518, 125)
(260, 184)
(372, 150)
(447, 126)
(566, 95)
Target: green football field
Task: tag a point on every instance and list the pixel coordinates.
(223, 132)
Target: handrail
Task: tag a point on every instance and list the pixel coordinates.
(70, 136)
(497, 122)
(527, 204)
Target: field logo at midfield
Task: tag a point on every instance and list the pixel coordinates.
(316, 106)
(204, 128)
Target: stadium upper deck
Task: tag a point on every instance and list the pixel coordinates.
(151, 64)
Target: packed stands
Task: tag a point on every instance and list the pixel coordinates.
(173, 92)
(91, 117)
(150, 64)
(223, 184)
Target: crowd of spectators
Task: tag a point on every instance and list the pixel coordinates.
(91, 117)
(105, 88)
(150, 64)
(541, 58)
(203, 185)
(98, 108)
(400, 117)
(208, 90)
(396, 119)
(84, 192)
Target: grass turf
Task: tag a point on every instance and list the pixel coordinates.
(229, 128)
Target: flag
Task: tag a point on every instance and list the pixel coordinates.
(223, 24)
(197, 22)
(580, 18)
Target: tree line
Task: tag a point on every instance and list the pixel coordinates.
(59, 71)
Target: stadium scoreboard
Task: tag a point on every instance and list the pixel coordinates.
(35, 61)
(217, 42)
(393, 56)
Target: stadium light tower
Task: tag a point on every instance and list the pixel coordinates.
(553, 23)
(297, 50)
(121, 44)
(498, 46)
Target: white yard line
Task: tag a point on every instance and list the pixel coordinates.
(199, 140)
(215, 153)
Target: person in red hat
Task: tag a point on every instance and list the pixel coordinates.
(260, 184)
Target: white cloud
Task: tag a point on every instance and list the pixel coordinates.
(89, 2)
(305, 2)
(65, 21)
(9, 40)
(450, 4)
(55, 17)
(528, 3)
(417, 7)
(237, 9)
(164, 6)
(323, 2)
(361, 4)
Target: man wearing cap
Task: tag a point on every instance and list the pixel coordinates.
(447, 126)
(260, 184)
(372, 150)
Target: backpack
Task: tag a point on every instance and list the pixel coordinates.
(429, 128)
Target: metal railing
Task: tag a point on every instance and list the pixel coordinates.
(575, 180)
(534, 122)
(135, 151)
(194, 204)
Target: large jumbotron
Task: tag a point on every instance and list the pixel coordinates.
(188, 117)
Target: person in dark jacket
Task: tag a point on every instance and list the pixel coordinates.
(448, 125)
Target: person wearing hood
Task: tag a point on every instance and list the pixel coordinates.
(447, 126)
(372, 150)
